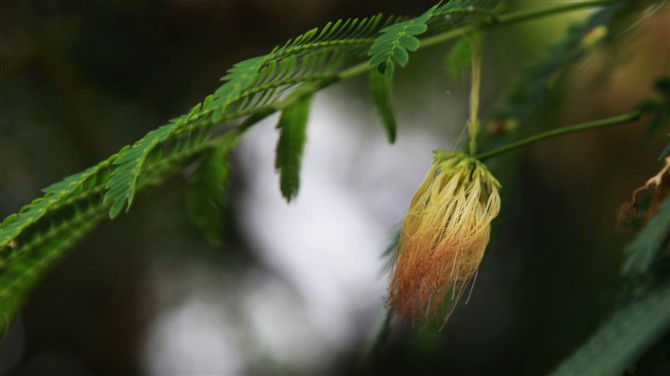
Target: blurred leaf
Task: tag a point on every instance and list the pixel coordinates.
(381, 87)
(623, 339)
(457, 62)
(207, 192)
(665, 151)
(643, 249)
(293, 135)
(660, 107)
(75, 207)
(530, 93)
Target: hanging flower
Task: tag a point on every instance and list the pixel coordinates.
(443, 237)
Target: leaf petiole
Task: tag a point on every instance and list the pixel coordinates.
(616, 120)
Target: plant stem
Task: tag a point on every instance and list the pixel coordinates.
(505, 19)
(616, 120)
(473, 122)
(511, 18)
(364, 67)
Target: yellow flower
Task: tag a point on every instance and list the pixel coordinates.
(443, 237)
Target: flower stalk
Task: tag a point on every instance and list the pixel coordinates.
(475, 76)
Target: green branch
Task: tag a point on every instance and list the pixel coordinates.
(512, 18)
(616, 120)
(502, 20)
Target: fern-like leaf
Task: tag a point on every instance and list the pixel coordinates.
(54, 197)
(207, 192)
(129, 164)
(26, 263)
(392, 46)
(642, 251)
(293, 135)
(238, 78)
(382, 91)
(621, 341)
(351, 33)
(35, 242)
(542, 82)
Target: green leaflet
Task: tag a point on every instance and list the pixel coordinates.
(76, 206)
(381, 87)
(642, 251)
(122, 184)
(30, 261)
(238, 78)
(55, 196)
(394, 42)
(207, 192)
(292, 137)
(350, 33)
(623, 339)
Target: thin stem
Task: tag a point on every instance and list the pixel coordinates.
(364, 67)
(473, 123)
(502, 20)
(616, 120)
(512, 18)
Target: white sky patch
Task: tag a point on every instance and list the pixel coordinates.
(354, 191)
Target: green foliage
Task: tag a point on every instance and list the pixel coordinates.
(44, 230)
(642, 251)
(123, 181)
(457, 63)
(543, 81)
(285, 80)
(239, 78)
(392, 46)
(381, 87)
(55, 197)
(207, 192)
(33, 239)
(251, 85)
(292, 137)
(623, 339)
(27, 262)
(352, 33)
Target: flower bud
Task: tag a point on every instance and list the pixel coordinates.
(443, 237)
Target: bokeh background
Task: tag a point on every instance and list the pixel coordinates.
(299, 288)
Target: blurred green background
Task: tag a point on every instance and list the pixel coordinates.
(298, 288)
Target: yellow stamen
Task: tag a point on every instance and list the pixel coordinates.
(443, 237)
